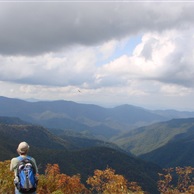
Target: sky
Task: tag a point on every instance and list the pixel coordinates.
(106, 53)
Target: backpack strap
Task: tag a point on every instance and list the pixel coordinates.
(20, 158)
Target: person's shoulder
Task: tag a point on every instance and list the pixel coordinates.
(14, 159)
(32, 158)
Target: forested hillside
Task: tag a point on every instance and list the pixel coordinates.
(177, 152)
(168, 144)
(48, 148)
(149, 138)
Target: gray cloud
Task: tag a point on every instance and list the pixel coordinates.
(49, 50)
(35, 28)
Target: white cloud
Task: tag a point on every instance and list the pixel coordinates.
(108, 48)
(175, 90)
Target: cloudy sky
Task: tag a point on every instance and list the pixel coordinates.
(103, 52)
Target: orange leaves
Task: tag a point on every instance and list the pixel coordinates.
(52, 170)
(6, 178)
(55, 182)
(103, 181)
(108, 182)
(184, 184)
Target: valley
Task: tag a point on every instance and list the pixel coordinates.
(134, 141)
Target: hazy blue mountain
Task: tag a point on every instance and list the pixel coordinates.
(171, 114)
(104, 123)
(67, 115)
(12, 120)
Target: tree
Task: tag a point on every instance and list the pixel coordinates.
(53, 182)
(173, 181)
(184, 183)
(6, 178)
(107, 182)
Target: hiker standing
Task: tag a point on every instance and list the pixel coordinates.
(25, 170)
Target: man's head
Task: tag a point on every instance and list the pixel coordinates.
(23, 148)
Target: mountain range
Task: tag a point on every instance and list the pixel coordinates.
(84, 137)
(97, 121)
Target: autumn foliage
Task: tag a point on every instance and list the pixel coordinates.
(6, 178)
(108, 182)
(102, 182)
(183, 184)
(53, 182)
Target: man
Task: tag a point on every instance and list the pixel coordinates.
(22, 150)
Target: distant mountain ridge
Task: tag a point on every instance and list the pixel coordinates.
(12, 120)
(104, 123)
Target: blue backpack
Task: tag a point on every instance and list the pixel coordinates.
(26, 172)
